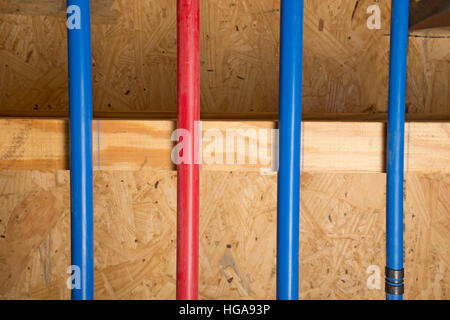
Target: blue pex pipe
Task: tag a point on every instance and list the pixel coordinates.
(81, 184)
(290, 110)
(395, 154)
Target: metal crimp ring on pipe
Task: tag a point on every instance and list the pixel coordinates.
(395, 281)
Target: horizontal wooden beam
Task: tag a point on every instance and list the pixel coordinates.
(134, 145)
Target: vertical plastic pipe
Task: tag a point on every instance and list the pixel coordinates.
(289, 158)
(188, 173)
(80, 113)
(395, 155)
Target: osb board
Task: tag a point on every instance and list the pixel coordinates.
(138, 145)
(342, 234)
(134, 58)
(101, 9)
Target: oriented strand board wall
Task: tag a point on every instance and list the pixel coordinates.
(342, 234)
(134, 58)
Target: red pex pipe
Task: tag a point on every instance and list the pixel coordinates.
(188, 173)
